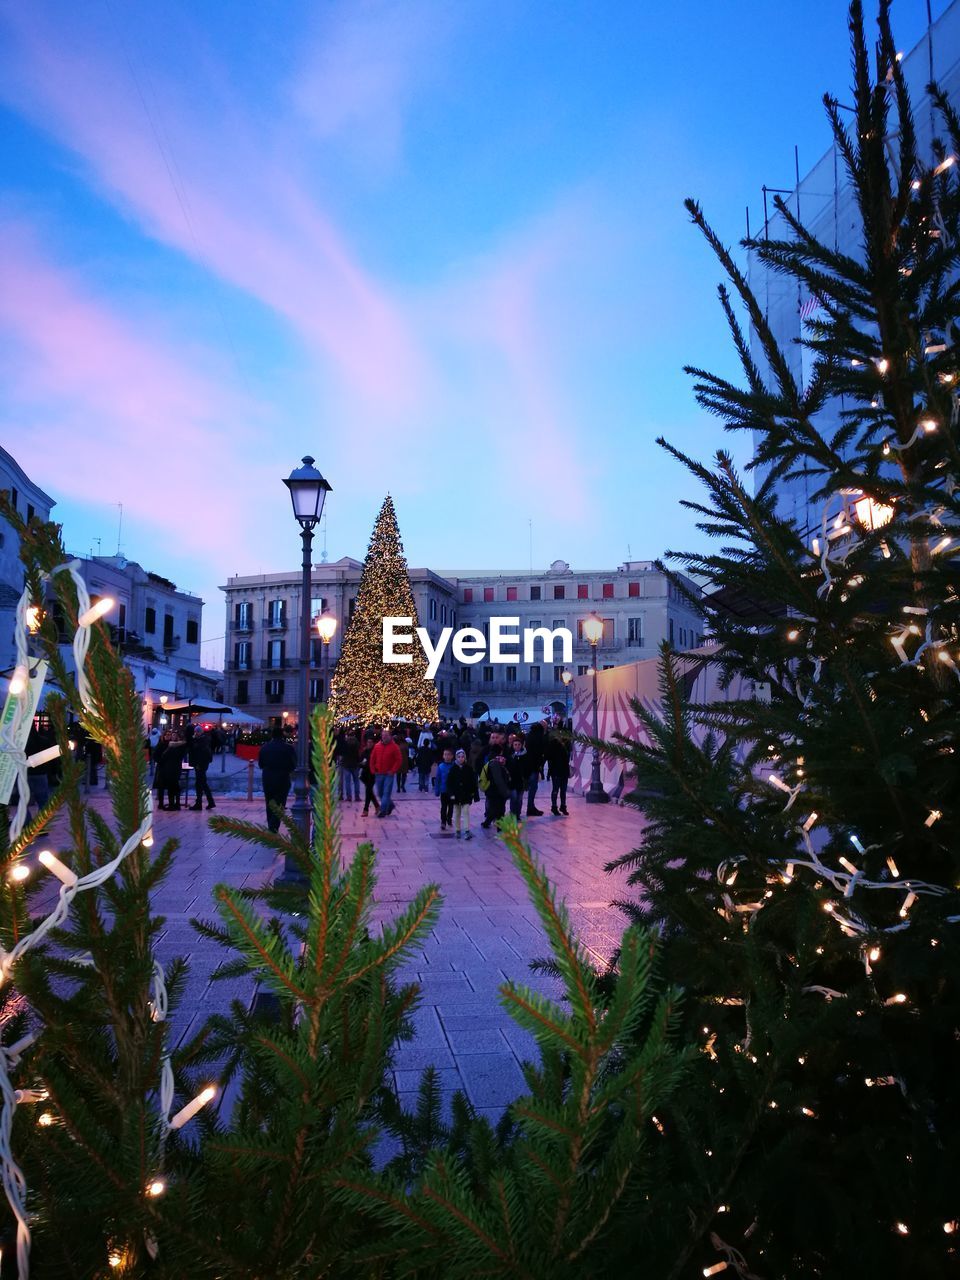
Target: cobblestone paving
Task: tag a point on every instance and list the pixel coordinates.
(487, 931)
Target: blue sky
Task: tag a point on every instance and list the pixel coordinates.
(441, 247)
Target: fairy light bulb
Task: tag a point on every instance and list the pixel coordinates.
(156, 1188)
(45, 1119)
(950, 1227)
(96, 611)
(715, 1269)
(908, 902)
(874, 954)
(20, 872)
(883, 364)
(18, 681)
(147, 840)
(190, 1110)
(901, 1228)
(899, 998)
(115, 1258)
(57, 868)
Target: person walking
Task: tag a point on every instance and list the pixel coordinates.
(424, 765)
(446, 802)
(277, 761)
(366, 777)
(200, 755)
(385, 763)
(462, 790)
(498, 789)
(350, 767)
(168, 774)
(558, 766)
(535, 756)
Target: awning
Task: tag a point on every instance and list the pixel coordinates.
(197, 705)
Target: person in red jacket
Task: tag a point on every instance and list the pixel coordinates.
(386, 761)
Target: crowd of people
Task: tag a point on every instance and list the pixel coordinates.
(168, 752)
(461, 763)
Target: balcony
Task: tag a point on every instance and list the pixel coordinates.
(280, 664)
(275, 622)
(232, 665)
(243, 627)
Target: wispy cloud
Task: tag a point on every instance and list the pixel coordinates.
(108, 408)
(225, 197)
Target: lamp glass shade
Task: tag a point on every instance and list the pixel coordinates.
(326, 627)
(566, 676)
(593, 629)
(308, 489)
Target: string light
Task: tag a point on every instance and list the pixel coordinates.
(156, 1188)
(715, 1269)
(57, 868)
(95, 612)
(899, 998)
(20, 872)
(190, 1110)
(901, 1228)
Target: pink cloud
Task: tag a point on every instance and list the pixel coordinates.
(224, 196)
(110, 410)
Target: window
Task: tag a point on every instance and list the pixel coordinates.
(443, 615)
(30, 512)
(193, 631)
(534, 593)
(275, 655)
(511, 593)
(150, 620)
(277, 613)
(608, 591)
(633, 590)
(243, 693)
(316, 689)
(274, 691)
(433, 610)
(121, 622)
(671, 631)
(241, 655)
(609, 631)
(318, 605)
(557, 622)
(582, 669)
(534, 675)
(316, 651)
(558, 675)
(488, 675)
(510, 675)
(468, 595)
(465, 675)
(635, 631)
(583, 591)
(13, 498)
(168, 630)
(607, 666)
(243, 615)
(487, 595)
(534, 623)
(559, 591)
(352, 607)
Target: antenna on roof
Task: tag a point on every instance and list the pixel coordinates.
(530, 527)
(323, 553)
(119, 526)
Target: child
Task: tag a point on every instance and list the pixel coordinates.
(462, 790)
(446, 804)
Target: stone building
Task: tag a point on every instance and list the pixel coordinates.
(639, 606)
(29, 500)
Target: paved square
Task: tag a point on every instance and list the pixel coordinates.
(487, 931)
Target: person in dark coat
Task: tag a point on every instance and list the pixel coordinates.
(536, 754)
(348, 758)
(168, 774)
(277, 761)
(498, 792)
(201, 757)
(558, 764)
(462, 790)
(424, 764)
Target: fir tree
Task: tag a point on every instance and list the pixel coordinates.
(362, 684)
(802, 859)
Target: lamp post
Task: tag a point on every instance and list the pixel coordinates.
(566, 677)
(593, 631)
(308, 489)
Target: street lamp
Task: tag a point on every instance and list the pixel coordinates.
(592, 629)
(308, 489)
(566, 677)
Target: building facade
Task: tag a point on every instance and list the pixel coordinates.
(640, 608)
(826, 204)
(155, 627)
(29, 500)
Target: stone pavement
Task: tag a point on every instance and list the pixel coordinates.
(487, 930)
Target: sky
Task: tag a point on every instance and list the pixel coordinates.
(440, 247)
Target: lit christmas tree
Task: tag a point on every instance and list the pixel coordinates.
(363, 685)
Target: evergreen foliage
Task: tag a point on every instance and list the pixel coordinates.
(362, 686)
(802, 853)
